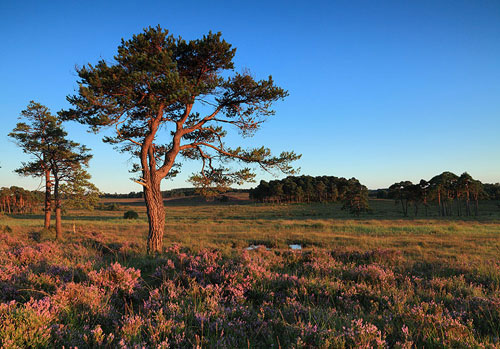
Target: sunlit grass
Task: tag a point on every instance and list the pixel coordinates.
(320, 225)
(357, 282)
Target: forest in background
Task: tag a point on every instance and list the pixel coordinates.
(454, 195)
(449, 194)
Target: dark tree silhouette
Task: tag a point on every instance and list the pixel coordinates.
(492, 190)
(453, 194)
(314, 189)
(401, 192)
(355, 198)
(424, 193)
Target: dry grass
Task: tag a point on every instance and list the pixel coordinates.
(239, 223)
(372, 281)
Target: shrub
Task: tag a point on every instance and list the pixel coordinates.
(130, 215)
(41, 235)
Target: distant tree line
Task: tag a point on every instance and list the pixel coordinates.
(305, 189)
(172, 193)
(131, 195)
(19, 200)
(454, 195)
(492, 190)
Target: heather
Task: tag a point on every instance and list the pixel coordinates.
(355, 283)
(85, 293)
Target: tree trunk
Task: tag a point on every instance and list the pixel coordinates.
(425, 204)
(439, 204)
(403, 207)
(58, 222)
(48, 190)
(57, 201)
(156, 215)
(467, 204)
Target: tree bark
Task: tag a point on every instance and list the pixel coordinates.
(58, 223)
(57, 201)
(48, 192)
(156, 215)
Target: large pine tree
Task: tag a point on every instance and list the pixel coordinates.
(171, 99)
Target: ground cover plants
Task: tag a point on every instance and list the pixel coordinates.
(363, 282)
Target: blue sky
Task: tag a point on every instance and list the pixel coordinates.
(379, 90)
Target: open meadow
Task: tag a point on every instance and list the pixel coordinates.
(228, 278)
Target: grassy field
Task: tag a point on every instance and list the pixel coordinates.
(240, 223)
(378, 280)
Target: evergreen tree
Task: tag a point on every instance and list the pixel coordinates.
(356, 198)
(36, 134)
(67, 161)
(157, 92)
(53, 156)
(79, 192)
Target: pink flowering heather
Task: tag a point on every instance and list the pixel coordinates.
(130, 328)
(52, 295)
(116, 278)
(434, 321)
(26, 325)
(364, 335)
(373, 273)
(406, 343)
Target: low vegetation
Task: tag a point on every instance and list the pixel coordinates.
(130, 215)
(362, 282)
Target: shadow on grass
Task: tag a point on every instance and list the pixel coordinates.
(66, 218)
(245, 209)
(183, 202)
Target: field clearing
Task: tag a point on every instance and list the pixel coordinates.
(378, 280)
(240, 223)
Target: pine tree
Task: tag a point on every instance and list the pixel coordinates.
(36, 134)
(172, 100)
(53, 156)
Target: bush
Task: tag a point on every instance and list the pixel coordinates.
(39, 236)
(130, 215)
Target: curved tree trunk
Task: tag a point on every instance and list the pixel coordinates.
(156, 215)
(48, 191)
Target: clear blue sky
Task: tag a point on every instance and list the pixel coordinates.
(380, 90)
